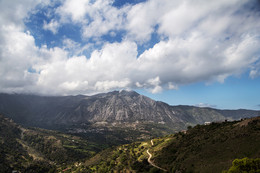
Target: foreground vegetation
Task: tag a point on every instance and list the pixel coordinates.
(245, 165)
(211, 148)
(127, 158)
(203, 148)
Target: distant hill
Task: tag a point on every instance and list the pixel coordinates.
(113, 107)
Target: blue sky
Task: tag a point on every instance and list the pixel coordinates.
(235, 93)
(203, 53)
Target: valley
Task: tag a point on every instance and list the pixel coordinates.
(203, 148)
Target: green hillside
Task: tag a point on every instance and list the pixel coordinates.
(203, 148)
(211, 148)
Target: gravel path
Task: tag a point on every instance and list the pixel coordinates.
(149, 159)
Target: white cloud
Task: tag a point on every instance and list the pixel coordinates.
(171, 86)
(70, 44)
(97, 18)
(74, 10)
(74, 86)
(104, 70)
(53, 26)
(18, 52)
(184, 16)
(108, 85)
(205, 105)
(140, 22)
(200, 41)
(154, 85)
(15, 11)
(156, 89)
(154, 81)
(74, 48)
(255, 70)
(204, 61)
(16, 57)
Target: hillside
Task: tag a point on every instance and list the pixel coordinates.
(204, 148)
(211, 148)
(39, 150)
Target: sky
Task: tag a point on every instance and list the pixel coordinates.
(183, 52)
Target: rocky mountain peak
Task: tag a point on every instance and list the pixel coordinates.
(117, 106)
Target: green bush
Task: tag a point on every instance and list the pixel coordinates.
(245, 165)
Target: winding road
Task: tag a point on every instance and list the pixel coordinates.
(149, 159)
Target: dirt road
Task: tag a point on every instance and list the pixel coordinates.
(149, 159)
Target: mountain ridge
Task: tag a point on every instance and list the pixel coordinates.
(112, 107)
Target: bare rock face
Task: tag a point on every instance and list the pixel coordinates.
(124, 106)
(113, 107)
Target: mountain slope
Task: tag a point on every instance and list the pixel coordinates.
(116, 106)
(211, 148)
(39, 150)
(14, 156)
(111, 107)
(204, 148)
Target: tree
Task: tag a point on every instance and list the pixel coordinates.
(245, 165)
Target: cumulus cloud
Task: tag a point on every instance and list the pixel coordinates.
(14, 12)
(18, 53)
(104, 70)
(73, 10)
(204, 61)
(96, 17)
(140, 21)
(198, 41)
(155, 83)
(107, 85)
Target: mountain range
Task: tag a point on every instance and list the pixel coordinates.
(108, 108)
